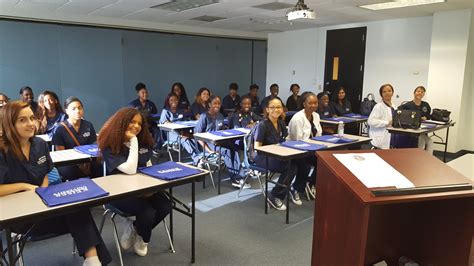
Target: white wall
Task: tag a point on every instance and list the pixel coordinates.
(449, 75)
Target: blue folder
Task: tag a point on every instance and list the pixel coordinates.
(92, 149)
(304, 146)
(333, 139)
(227, 133)
(337, 119)
(169, 171)
(357, 116)
(69, 192)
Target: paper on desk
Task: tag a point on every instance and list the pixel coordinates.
(373, 171)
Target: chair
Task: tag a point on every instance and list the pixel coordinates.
(110, 209)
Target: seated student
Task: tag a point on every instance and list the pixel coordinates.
(305, 125)
(200, 104)
(212, 120)
(274, 89)
(75, 131)
(183, 102)
(24, 166)
(245, 117)
(293, 101)
(380, 118)
(340, 104)
(253, 94)
(232, 100)
(26, 95)
(53, 113)
(126, 145)
(424, 142)
(272, 130)
(147, 108)
(3, 100)
(325, 110)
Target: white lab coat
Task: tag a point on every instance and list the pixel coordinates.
(379, 120)
(300, 128)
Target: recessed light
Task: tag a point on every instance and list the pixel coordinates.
(180, 5)
(400, 3)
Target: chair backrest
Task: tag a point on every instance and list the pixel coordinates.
(249, 146)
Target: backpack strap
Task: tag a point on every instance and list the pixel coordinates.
(71, 134)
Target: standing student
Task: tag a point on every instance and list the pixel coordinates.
(293, 101)
(75, 131)
(212, 120)
(253, 94)
(183, 102)
(272, 130)
(424, 142)
(53, 113)
(341, 104)
(200, 104)
(305, 125)
(381, 118)
(24, 166)
(3, 100)
(26, 95)
(274, 90)
(126, 145)
(232, 100)
(147, 108)
(244, 117)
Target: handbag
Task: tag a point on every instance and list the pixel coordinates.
(367, 104)
(441, 115)
(84, 167)
(406, 119)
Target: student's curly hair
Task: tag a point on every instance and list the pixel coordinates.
(112, 134)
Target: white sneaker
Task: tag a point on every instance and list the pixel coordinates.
(310, 192)
(295, 197)
(128, 236)
(276, 203)
(140, 246)
(92, 261)
(240, 184)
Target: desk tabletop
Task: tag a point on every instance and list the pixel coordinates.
(68, 155)
(420, 130)
(421, 168)
(207, 136)
(44, 137)
(464, 165)
(28, 205)
(175, 126)
(358, 140)
(347, 120)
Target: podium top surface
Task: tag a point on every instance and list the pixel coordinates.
(416, 165)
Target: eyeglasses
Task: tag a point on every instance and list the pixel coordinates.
(275, 107)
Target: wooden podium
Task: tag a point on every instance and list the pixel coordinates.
(353, 227)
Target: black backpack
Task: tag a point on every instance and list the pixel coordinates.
(250, 152)
(367, 105)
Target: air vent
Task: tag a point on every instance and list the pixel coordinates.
(274, 6)
(180, 5)
(208, 18)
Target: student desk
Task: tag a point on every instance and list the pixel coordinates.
(68, 157)
(464, 165)
(353, 120)
(45, 137)
(29, 208)
(177, 128)
(284, 153)
(354, 227)
(217, 141)
(422, 130)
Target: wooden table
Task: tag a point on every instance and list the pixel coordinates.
(353, 227)
(29, 208)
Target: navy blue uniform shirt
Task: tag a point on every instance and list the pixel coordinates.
(241, 119)
(113, 160)
(197, 108)
(267, 134)
(343, 109)
(53, 122)
(326, 112)
(86, 135)
(32, 171)
(229, 103)
(207, 123)
(168, 115)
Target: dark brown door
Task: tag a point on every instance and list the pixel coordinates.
(344, 66)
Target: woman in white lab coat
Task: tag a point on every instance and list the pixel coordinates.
(380, 118)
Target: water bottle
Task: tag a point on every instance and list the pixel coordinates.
(340, 129)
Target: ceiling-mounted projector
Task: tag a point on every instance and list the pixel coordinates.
(300, 11)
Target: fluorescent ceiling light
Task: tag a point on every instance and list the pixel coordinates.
(401, 3)
(181, 5)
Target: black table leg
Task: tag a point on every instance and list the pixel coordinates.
(11, 257)
(171, 215)
(266, 184)
(219, 171)
(193, 221)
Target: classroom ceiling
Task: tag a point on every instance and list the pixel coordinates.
(252, 16)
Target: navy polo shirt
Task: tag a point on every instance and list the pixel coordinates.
(241, 119)
(229, 103)
(32, 171)
(267, 134)
(113, 160)
(207, 123)
(86, 135)
(148, 109)
(52, 123)
(197, 108)
(168, 115)
(326, 112)
(342, 109)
